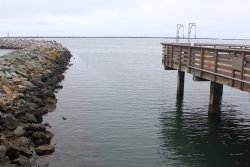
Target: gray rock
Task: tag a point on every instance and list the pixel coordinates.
(3, 150)
(41, 138)
(11, 122)
(31, 106)
(7, 75)
(19, 131)
(19, 112)
(30, 118)
(35, 127)
(33, 161)
(51, 94)
(13, 150)
(43, 164)
(22, 141)
(50, 107)
(2, 73)
(22, 73)
(24, 150)
(51, 100)
(22, 161)
(21, 87)
(44, 149)
(37, 100)
(5, 162)
(9, 134)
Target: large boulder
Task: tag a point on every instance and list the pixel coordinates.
(44, 149)
(19, 131)
(3, 151)
(22, 161)
(22, 141)
(11, 122)
(40, 138)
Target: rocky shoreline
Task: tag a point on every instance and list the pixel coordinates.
(29, 77)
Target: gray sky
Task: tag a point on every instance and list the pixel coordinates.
(214, 18)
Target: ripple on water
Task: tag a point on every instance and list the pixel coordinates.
(121, 111)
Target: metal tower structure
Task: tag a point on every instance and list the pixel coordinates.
(190, 27)
(179, 27)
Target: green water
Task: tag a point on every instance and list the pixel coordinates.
(121, 110)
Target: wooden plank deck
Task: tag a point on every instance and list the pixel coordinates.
(220, 63)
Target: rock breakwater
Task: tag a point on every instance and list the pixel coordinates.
(29, 77)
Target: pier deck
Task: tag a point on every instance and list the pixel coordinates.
(221, 64)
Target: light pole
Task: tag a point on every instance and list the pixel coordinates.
(179, 26)
(190, 26)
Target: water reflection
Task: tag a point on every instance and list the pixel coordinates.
(200, 139)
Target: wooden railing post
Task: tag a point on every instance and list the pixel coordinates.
(172, 57)
(164, 56)
(167, 56)
(215, 63)
(242, 69)
(189, 59)
(233, 71)
(201, 61)
(179, 57)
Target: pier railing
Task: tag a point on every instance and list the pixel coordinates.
(221, 63)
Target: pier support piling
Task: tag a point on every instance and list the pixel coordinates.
(180, 83)
(216, 92)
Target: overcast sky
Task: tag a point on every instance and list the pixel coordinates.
(214, 18)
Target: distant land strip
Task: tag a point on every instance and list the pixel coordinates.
(212, 38)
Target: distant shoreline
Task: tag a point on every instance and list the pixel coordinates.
(115, 37)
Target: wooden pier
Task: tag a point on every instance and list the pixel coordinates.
(221, 64)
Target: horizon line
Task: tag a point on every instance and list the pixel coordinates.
(166, 37)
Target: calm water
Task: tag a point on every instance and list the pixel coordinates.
(121, 110)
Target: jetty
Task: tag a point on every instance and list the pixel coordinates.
(221, 64)
(29, 77)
